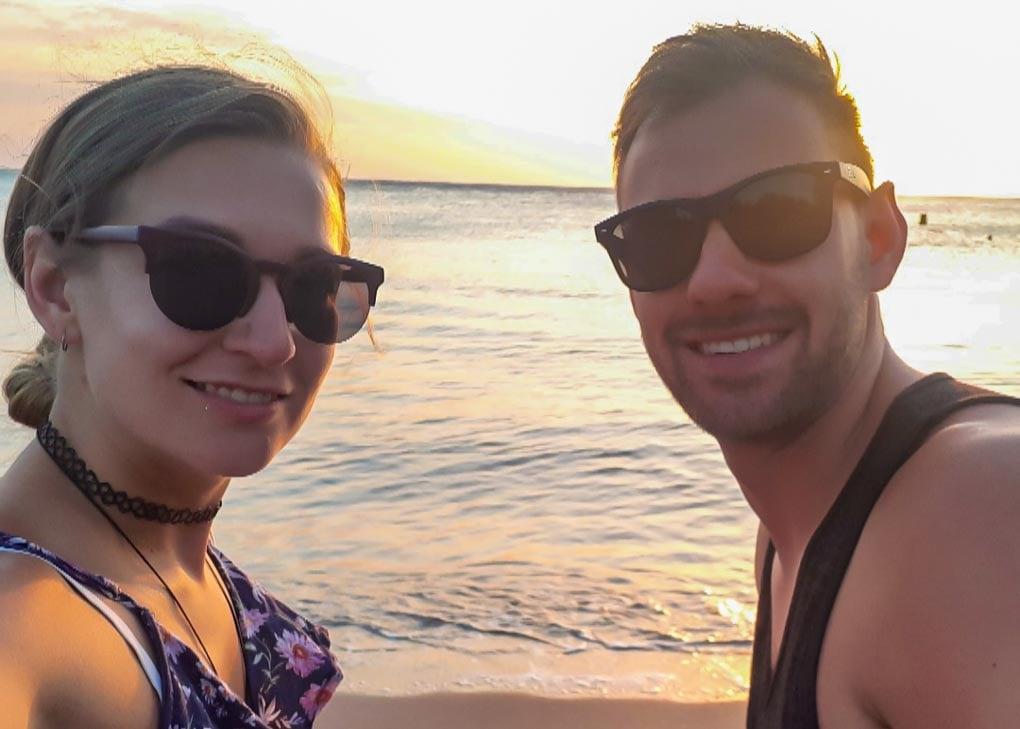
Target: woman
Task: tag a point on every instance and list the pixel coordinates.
(179, 234)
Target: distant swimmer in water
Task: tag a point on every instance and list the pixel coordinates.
(754, 245)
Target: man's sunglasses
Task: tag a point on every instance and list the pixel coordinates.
(771, 216)
(201, 281)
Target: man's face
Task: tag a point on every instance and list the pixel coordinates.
(753, 351)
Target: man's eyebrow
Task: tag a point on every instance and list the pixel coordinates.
(199, 225)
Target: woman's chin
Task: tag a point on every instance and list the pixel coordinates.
(239, 468)
(234, 463)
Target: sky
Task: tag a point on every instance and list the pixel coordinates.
(527, 92)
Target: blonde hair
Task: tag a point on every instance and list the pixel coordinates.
(29, 388)
(100, 139)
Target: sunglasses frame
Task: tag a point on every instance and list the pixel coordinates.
(153, 240)
(713, 207)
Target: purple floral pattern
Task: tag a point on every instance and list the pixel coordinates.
(302, 655)
(290, 671)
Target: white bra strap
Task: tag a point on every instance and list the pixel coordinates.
(148, 666)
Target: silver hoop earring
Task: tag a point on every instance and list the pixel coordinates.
(63, 342)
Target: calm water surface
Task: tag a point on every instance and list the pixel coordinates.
(505, 495)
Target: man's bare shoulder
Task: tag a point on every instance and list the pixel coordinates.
(977, 447)
(958, 496)
(944, 564)
(997, 416)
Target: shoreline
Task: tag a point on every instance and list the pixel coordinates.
(495, 669)
(481, 710)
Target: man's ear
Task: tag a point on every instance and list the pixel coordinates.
(886, 236)
(46, 285)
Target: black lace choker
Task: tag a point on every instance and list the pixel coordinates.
(101, 492)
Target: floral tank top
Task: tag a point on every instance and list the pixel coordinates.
(289, 669)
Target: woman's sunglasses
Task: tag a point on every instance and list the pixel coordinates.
(201, 281)
(771, 216)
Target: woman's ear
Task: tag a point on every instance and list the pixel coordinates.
(46, 285)
(886, 235)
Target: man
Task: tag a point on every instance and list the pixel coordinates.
(754, 245)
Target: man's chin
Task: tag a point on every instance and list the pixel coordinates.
(746, 417)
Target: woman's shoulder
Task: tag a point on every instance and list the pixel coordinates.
(30, 573)
(31, 586)
(35, 602)
(23, 585)
(33, 559)
(47, 634)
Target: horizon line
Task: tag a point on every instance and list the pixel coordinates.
(483, 185)
(590, 188)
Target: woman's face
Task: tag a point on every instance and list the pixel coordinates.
(221, 402)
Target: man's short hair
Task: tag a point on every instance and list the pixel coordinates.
(688, 70)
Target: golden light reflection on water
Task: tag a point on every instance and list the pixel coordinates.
(956, 311)
(538, 338)
(512, 461)
(736, 612)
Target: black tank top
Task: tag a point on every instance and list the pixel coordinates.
(788, 699)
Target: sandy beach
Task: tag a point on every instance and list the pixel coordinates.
(523, 711)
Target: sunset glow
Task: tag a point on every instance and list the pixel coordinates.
(527, 94)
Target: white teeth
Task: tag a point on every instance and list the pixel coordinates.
(737, 346)
(237, 395)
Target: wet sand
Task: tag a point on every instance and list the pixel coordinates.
(523, 711)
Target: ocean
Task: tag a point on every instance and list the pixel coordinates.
(501, 494)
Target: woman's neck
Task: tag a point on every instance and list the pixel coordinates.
(118, 469)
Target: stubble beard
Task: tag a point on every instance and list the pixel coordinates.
(751, 413)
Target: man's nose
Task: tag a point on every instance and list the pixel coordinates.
(723, 272)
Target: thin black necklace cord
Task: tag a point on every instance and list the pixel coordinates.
(67, 460)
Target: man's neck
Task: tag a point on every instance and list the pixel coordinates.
(792, 485)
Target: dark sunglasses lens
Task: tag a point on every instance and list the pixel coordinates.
(781, 216)
(660, 246)
(323, 306)
(198, 284)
